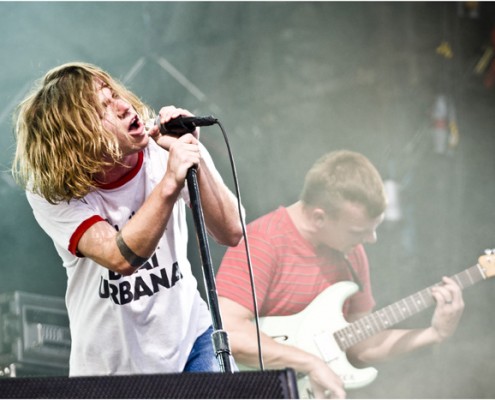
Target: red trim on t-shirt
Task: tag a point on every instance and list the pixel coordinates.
(81, 229)
(127, 177)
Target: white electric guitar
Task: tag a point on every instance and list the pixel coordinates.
(321, 329)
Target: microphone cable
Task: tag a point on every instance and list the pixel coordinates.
(246, 245)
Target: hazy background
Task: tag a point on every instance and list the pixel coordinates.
(290, 81)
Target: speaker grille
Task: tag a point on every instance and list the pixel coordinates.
(274, 384)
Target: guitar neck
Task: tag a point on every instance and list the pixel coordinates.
(399, 311)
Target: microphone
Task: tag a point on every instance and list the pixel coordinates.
(182, 125)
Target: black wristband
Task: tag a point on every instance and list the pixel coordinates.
(131, 257)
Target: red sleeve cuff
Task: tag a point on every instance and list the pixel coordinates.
(81, 229)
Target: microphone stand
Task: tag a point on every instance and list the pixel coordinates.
(219, 336)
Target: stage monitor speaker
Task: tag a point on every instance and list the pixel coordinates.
(273, 384)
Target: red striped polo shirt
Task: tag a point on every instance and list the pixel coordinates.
(288, 271)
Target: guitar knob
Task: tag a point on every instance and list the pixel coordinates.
(489, 251)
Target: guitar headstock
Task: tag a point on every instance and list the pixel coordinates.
(487, 262)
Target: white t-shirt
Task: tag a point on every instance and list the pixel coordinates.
(139, 324)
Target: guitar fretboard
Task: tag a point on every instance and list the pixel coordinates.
(399, 311)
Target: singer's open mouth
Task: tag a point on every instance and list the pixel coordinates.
(135, 123)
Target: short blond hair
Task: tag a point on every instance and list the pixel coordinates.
(344, 176)
(61, 140)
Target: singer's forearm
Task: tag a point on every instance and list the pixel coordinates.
(141, 233)
(220, 208)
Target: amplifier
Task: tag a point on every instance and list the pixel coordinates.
(34, 334)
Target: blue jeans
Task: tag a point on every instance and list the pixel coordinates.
(202, 357)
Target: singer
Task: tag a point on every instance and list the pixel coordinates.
(111, 196)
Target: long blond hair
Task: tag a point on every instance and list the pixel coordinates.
(61, 140)
(342, 176)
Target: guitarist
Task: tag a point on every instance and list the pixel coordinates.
(300, 250)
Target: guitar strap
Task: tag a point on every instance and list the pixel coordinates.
(355, 276)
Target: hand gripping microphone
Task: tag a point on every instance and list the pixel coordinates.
(182, 125)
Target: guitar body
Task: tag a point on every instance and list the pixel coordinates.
(312, 330)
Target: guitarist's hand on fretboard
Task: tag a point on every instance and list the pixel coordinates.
(448, 311)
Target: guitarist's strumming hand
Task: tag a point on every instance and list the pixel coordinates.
(448, 311)
(325, 383)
